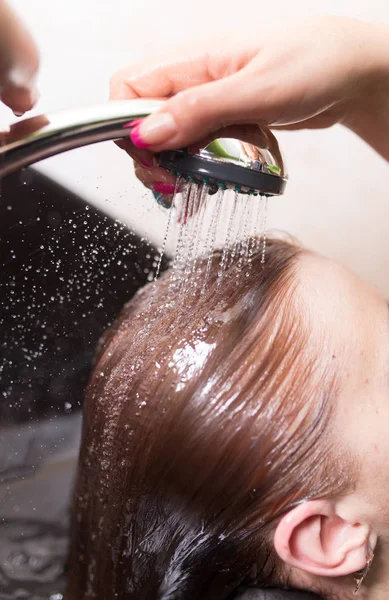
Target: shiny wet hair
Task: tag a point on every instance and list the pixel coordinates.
(206, 418)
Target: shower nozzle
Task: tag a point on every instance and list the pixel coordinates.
(232, 163)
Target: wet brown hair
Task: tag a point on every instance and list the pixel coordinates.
(206, 418)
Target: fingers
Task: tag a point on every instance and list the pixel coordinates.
(205, 92)
(19, 62)
(163, 80)
(156, 179)
(194, 113)
(166, 79)
(201, 100)
(20, 100)
(164, 186)
(159, 181)
(145, 158)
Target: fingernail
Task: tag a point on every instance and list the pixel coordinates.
(134, 123)
(146, 164)
(18, 113)
(154, 130)
(162, 201)
(136, 138)
(164, 188)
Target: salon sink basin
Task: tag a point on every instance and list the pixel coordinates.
(66, 269)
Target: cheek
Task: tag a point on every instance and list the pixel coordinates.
(371, 442)
(362, 426)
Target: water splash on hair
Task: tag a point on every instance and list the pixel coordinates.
(226, 248)
(198, 224)
(244, 242)
(198, 197)
(180, 205)
(197, 238)
(255, 227)
(213, 233)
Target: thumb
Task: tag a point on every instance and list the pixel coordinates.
(193, 114)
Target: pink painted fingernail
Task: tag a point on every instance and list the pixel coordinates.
(133, 123)
(163, 188)
(137, 139)
(146, 164)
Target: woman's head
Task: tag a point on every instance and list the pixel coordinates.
(219, 434)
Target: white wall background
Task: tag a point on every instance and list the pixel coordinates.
(337, 200)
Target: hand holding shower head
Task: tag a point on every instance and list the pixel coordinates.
(223, 162)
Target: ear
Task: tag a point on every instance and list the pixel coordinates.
(314, 538)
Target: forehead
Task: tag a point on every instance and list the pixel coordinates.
(329, 291)
(346, 315)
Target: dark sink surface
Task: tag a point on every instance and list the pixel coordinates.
(66, 270)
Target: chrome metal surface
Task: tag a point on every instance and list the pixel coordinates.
(264, 155)
(30, 140)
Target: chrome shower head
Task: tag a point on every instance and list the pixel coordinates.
(224, 162)
(232, 163)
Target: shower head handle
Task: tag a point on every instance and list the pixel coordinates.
(228, 161)
(30, 140)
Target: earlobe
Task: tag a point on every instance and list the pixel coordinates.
(314, 538)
